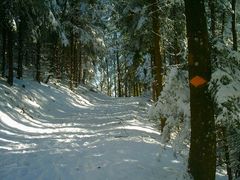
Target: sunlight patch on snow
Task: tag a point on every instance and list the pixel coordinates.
(175, 161)
(5, 148)
(137, 139)
(9, 105)
(130, 160)
(147, 130)
(168, 169)
(102, 124)
(5, 119)
(32, 103)
(97, 155)
(65, 140)
(7, 132)
(80, 106)
(13, 146)
(150, 140)
(221, 173)
(60, 151)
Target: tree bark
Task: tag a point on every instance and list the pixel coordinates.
(80, 63)
(10, 56)
(53, 63)
(126, 87)
(154, 98)
(202, 155)
(108, 78)
(75, 64)
(115, 78)
(234, 31)
(20, 49)
(38, 63)
(71, 60)
(226, 153)
(4, 39)
(119, 75)
(157, 49)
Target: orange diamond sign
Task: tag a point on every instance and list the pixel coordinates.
(198, 81)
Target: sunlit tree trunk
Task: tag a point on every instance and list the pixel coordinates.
(202, 155)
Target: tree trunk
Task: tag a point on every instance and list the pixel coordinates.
(202, 155)
(126, 79)
(10, 56)
(115, 78)
(4, 38)
(157, 49)
(20, 49)
(38, 62)
(119, 75)
(154, 98)
(71, 60)
(234, 31)
(54, 58)
(80, 63)
(75, 64)
(226, 153)
(108, 78)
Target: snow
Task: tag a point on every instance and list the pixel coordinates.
(50, 132)
(64, 39)
(141, 22)
(53, 20)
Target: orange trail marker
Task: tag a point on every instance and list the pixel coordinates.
(197, 81)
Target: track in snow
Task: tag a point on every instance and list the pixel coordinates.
(53, 134)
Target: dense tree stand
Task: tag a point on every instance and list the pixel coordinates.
(181, 58)
(202, 156)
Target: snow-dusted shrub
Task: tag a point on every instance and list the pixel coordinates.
(173, 105)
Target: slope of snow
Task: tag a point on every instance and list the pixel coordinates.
(50, 132)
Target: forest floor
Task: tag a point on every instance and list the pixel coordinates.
(50, 132)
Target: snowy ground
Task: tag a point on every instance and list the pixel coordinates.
(49, 132)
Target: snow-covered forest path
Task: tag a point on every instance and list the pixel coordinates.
(49, 132)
